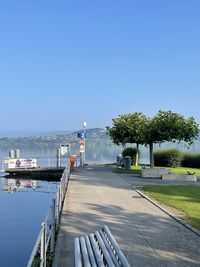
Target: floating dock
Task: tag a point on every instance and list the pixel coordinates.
(46, 172)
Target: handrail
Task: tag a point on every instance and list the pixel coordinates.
(46, 236)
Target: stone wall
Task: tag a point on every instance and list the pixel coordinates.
(153, 172)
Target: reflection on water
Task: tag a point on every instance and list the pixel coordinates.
(24, 204)
(11, 185)
(24, 185)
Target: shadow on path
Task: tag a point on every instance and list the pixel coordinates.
(146, 235)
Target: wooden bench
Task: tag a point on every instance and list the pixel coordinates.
(98, 250)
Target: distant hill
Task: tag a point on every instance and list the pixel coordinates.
(98, 142)
(51, 139)
(15, 134)
(99, 147)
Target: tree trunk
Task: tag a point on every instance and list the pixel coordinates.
(137, 155)
(151, 155)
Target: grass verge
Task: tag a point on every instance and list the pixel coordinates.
(111, 165)
(133, 170)
(183, 170)
(185, 199)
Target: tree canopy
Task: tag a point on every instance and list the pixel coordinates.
(170, 126)
(128, 128)
(165, 126)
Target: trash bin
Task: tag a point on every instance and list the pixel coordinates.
(127, 163)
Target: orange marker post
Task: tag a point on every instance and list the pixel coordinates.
(72, 160)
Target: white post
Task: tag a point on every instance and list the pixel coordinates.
(84, 142)
(53, 227)
(57, 207)
(60, 198)
(81, 157)
(58, 157)
(43, 245)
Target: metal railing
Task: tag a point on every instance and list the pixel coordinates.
(46, 238)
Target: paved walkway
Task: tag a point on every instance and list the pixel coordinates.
(147, 236)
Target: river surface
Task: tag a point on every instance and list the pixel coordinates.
(23, 207)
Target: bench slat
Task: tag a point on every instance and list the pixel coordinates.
(109, 249)
(116, 247)
(106, 255)
(84, 252)
(90, 252)
(99, 250)
(77, 253)
(96, 251)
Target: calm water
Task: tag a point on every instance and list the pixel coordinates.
(23, 206)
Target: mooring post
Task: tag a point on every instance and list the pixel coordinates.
(58, 157)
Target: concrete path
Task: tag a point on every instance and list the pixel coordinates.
(147, 236)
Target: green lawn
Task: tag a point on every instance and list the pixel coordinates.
(133, 170)
(112, 165)
(185, 170)
(186, 199)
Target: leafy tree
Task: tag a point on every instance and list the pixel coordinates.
(165, 126)
(168, 126)
(118, 132)
(136, 129)
(129, 128)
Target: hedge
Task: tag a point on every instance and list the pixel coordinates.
(175, 158)
(168, 158)
(191, 160)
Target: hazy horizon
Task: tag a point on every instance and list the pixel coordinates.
(73, 61)
(5, 133)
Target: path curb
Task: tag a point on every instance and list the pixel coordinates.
(195, 231)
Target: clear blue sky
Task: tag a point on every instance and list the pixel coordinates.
(65, 62)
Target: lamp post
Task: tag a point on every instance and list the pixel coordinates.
(84, 130)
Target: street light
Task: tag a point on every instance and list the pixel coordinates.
(84, 129)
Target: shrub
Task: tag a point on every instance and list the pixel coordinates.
(191, 160)
(168, 158)
(131, 152)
